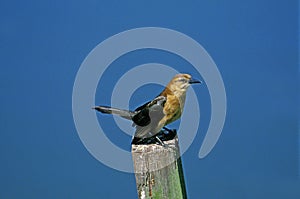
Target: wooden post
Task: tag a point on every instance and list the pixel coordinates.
(158, 170)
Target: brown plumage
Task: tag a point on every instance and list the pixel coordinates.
(151, 117)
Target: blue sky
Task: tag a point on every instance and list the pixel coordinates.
(254, 44)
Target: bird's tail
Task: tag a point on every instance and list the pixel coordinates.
(109, 110)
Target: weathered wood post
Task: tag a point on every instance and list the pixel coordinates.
(158, 170)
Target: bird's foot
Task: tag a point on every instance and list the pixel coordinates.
(160, 141)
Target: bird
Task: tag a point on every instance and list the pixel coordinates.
(150, 118)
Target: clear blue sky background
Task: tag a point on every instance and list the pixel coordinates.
(254, 43)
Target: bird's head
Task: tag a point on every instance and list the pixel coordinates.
(181, 82)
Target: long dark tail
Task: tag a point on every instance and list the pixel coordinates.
(109, 110)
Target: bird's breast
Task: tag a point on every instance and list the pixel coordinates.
(172, 109)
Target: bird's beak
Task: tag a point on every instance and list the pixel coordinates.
(194, 81)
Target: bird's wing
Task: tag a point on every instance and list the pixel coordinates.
(142, 118)
(148, 117)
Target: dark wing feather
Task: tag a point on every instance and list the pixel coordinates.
(150, 114)
(142, 117)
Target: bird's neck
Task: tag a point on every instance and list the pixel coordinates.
(181, 97)
(180, 94)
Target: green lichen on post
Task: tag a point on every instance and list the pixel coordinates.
(158, 193)
(158, 171)
(174, 182)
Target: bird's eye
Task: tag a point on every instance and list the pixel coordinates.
(182, 80)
